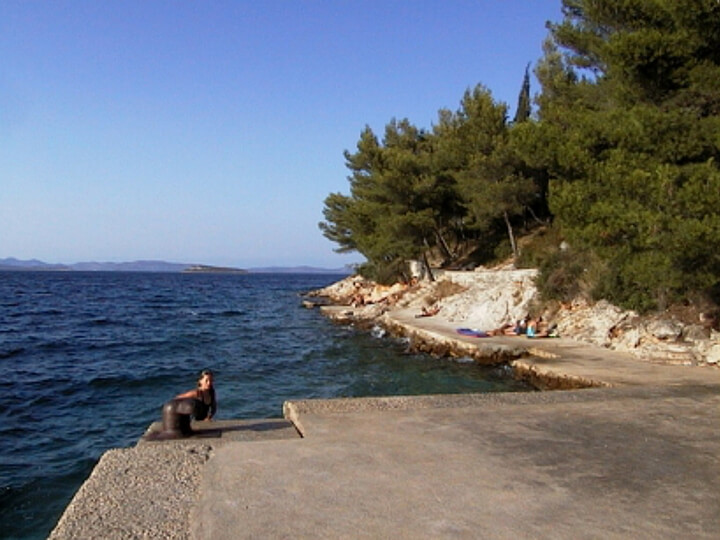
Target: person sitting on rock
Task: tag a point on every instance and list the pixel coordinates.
(429, 311)
(538, 328)
(521, 327)
(358, 298)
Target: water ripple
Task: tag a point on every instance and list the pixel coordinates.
(90, 358)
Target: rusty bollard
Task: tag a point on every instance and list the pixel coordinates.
(176, 418)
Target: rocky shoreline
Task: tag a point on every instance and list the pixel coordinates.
(167, 489)
(487, 298)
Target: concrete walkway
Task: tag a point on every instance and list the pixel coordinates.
(610, 463)
(638, 460)
(562, 359)
(638, 457)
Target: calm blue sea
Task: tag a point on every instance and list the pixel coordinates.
(88, 359)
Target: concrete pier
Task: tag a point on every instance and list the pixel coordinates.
(635, 454)
(630, 463)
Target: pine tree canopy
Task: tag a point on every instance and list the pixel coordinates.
(622, 156)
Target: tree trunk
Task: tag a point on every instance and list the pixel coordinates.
(534, 215)
(513, 245)
(444, 245)
(427, 267)
(426, 262)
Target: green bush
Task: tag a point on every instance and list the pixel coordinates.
(384, 273)
(538, 246)
(560, 276)
(642, 281)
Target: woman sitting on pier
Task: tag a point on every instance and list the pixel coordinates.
(205, 404)
(199, 403)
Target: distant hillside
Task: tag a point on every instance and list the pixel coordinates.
(135, 266)
(162, 266)
(33, 264)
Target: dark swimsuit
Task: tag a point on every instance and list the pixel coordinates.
(205, 403)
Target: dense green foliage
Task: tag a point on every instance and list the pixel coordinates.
(417, 193)
(623, 153)
(629, 123)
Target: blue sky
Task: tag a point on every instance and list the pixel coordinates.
(211, 132)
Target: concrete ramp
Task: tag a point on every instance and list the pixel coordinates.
(597, 463)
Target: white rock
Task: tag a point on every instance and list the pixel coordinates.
(665, 330)
(491, 298)
(712, 354)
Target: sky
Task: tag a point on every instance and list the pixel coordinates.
(211, 132)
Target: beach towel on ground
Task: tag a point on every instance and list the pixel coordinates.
(472, 332)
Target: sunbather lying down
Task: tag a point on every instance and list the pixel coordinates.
(428, 311)
(504, 330)
(535, 328)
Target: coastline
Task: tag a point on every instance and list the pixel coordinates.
(167, 489)
(485, 299)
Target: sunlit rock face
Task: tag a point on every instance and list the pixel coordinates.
(488, 298)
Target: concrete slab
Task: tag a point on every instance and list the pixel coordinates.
(146, 491)
(223, 431)
(610, 463)
(558, 362)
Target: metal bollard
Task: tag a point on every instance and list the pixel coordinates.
(176, 418)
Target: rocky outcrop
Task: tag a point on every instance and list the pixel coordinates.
(487, 298)
(655, 338)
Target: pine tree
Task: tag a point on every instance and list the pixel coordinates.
(628, 131)
(401, 203)
(488, 179)
(523, 111)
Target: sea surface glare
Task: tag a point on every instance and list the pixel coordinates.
(88, 360)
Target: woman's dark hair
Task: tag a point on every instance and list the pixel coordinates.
(203, 373)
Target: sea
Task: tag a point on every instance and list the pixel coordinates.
(89, 358)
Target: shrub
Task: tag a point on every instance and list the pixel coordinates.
(560, 276)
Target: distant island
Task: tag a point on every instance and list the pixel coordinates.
(205, 269)
(13, 264)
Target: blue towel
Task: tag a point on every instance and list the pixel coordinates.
(472, 332)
